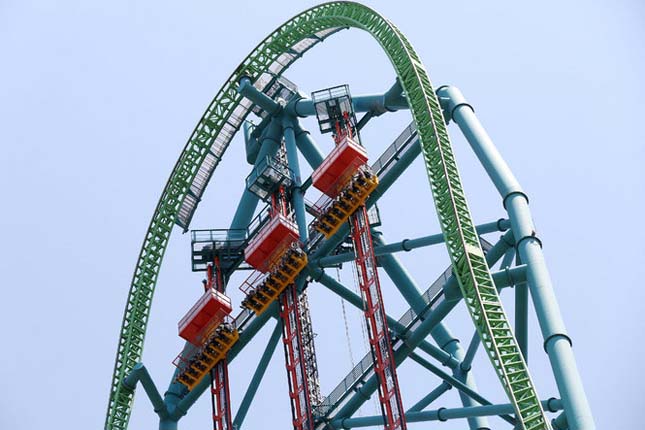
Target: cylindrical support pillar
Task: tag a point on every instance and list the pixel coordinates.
(168, 424)
(560, 422)
(556, 341)
(140, 374)
(442, 414)
(522, 317)
(269, 144)
(257, 377)
(308, 148)
(430, 397)
(251, 143)
(298, 195)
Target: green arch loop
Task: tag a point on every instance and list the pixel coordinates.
(461, 237)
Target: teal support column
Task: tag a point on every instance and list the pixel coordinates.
(522, 317)
(430, 397)
(247, 89)
(251, 143)
(399, 275)
(298, 196)
(270, 141)
(260, 370)
(168, 424)
(557, 342)
(140, 374)
(560, 422)
(442, 414)
(444, 338)
(307, 146)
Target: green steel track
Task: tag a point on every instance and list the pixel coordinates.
(221, 121)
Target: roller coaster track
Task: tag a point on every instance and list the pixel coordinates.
(211, 138)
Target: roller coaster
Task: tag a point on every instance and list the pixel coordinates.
(289, 243)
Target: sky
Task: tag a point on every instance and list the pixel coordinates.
(97, 100)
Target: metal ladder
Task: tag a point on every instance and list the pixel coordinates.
(379, 336)
(220, 394)
(295, 360)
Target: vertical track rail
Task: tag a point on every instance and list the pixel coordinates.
(309, 350)
(295, 360)
(379, 337)
(220, 394)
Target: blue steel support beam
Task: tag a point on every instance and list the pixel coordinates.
(522, 317)
(251, 143)
(443, 414)
(247, 89)
(376, 103)
(269, 141)
(430, 397)
(399, 275)
(408, 244)
(557, 342)
(560, 422)
(308, 148)
(298, 195)
(257, 377)
(140, 374)
(416, 337)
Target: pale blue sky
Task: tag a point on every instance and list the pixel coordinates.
(97, 100)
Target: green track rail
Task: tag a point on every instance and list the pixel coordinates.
(221, 118)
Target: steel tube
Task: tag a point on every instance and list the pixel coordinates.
(430, 397)
(304, 107)
(140, 374)
(522, 318)
(308, 148)
(409, 244)
(260, 370)
(298, 197)
(270, 140)
(557, 343)
(247, 89)
(442, 414)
